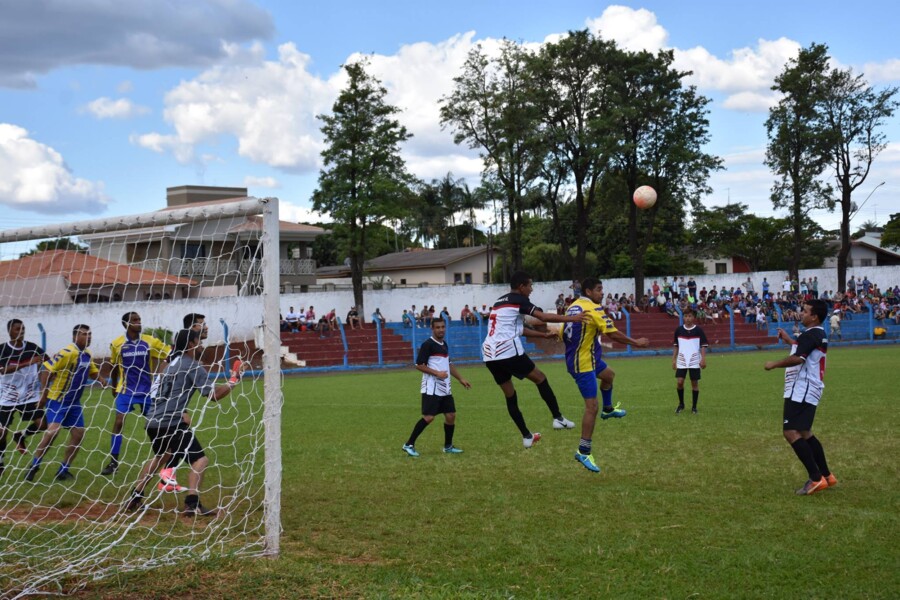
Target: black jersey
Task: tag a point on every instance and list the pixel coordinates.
(506, 324)
(435, 355)
(23, 386)
(689, 342)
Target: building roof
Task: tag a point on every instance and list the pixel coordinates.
(84, 270)
(255, 223)
(423, 259)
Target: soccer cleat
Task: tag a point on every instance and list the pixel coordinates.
(200, 511)
(615, 413)
(562, 423)
(170, 485)
(452, 450)
(694, 410)
(587, 461)
(136, 502)
(811, 487)
(110, 468)
(411, 450)
(679, 409)
(534, 439)
(19, 439)
(63, 476)
(831, 480)
(32, 472)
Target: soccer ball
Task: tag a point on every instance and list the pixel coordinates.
(644, 197)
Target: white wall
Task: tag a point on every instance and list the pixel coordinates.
(392, 302)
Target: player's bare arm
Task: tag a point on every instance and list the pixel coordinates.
(790, 361)
(459, 378)
(618, 336)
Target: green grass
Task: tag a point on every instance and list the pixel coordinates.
(686, 506)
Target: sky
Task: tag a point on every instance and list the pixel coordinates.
(103, 105)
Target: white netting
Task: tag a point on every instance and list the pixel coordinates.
(218, 261)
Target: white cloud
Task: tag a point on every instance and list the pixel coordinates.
(630, 29)
(183, 153)
(300, 214)
(39, 36)
(883, 72)
(747, 69)
(751, 101)
(125, 87)
(34, 177)
(107, 108)
(261, 182)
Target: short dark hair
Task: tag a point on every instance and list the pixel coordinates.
(191, 318)
(819, 308)
(437, 320)
(80, 327)
(589, 283)
(11, 323)
(182, 339)
(518, 279)
(126, 318)
(688, 311)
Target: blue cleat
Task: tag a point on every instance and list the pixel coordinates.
(452, 450)
(587, 461)
(411, 450)
(615, 413)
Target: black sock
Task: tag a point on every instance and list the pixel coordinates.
(31, 429)
(2, 444)
(173, 462)
(805, 454)
(680, 396)
(420, 426)
(192, 500)
(448, 435)
(550, 398)
(694, 395)
(819, 454)
(512, 406)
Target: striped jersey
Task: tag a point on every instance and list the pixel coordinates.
(22, 386)
(689, 342)
(806, 382)
(582, 340)
(506, 325)
(135, 361)
(435, 355)
(72, 367)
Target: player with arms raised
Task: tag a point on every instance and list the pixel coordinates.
(585, 365)
(803, 386)
(505, 356)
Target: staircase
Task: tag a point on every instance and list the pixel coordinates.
(362, 347)
(659, 328)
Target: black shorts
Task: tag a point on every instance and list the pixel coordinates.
(435, 405)
(178, 440)
(30, 412)
(506, 368)
(694, 373)
(798, 416)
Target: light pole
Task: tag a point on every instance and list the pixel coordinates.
(859, 208)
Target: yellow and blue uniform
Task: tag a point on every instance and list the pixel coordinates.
(135, 361)
(71, 367)
(582, 340)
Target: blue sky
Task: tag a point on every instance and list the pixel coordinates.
(104, 105)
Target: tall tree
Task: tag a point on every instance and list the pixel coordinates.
(56, 244)
(852, 113)
(890, 237)
(798, 143)
(572, 79)
(492, 108)
(661, 127)
(363, 179)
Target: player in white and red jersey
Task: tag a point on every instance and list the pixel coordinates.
(803, 386)
(505, 357)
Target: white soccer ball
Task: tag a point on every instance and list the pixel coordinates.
(644, 197)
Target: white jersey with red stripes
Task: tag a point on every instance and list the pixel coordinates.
(806, 382)
(506, 324)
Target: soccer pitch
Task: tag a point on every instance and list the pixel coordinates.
(685, 506)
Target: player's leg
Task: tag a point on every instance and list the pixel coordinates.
(679, 388)
(448, 407)
(819, 455)
(76, 435)
(199, 462)
(798, 418)
(123, 405)
(607, 376)
(695, 389)
(55, 418)
(168, 480)
(38, 423)
(537, 377)
(429, 410)
(503, 378)
(587, 385)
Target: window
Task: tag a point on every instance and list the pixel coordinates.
(402, 282)
(193, 251)
(866, 262)
(457, 278)
(467, 277)
(484, 277)
(721, 268)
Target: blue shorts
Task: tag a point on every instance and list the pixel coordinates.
(67, 415)
(125, 402)
(587, 382)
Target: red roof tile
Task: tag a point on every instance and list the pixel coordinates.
(83, 269)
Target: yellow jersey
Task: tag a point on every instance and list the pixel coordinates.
(72, 367)
(583, 339)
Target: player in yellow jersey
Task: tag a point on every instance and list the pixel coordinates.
(584, 363)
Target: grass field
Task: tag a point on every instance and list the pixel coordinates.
(686, 506)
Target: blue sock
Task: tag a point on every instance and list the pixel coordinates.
(36, 461)
(116, 444)
(584, 446)
(607, 397)
(63, 467)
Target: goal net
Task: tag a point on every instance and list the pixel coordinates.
(90, 313)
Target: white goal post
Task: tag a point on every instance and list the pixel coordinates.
(217, 259)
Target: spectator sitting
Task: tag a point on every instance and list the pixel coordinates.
(407, 320)
(284, 326)
(353, 319)
(466, 316)
(323, 326)
(331, 317)
(293, 319)
(485, 311)
(835, 323)
(445, 314)
(560, 305)
(425, 317)
(378, 317)
(762, 322)
(895, 314)
(310, 316)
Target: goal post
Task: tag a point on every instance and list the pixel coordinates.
(217, 259)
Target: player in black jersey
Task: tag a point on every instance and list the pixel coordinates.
(433, 361)
(688, 357)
